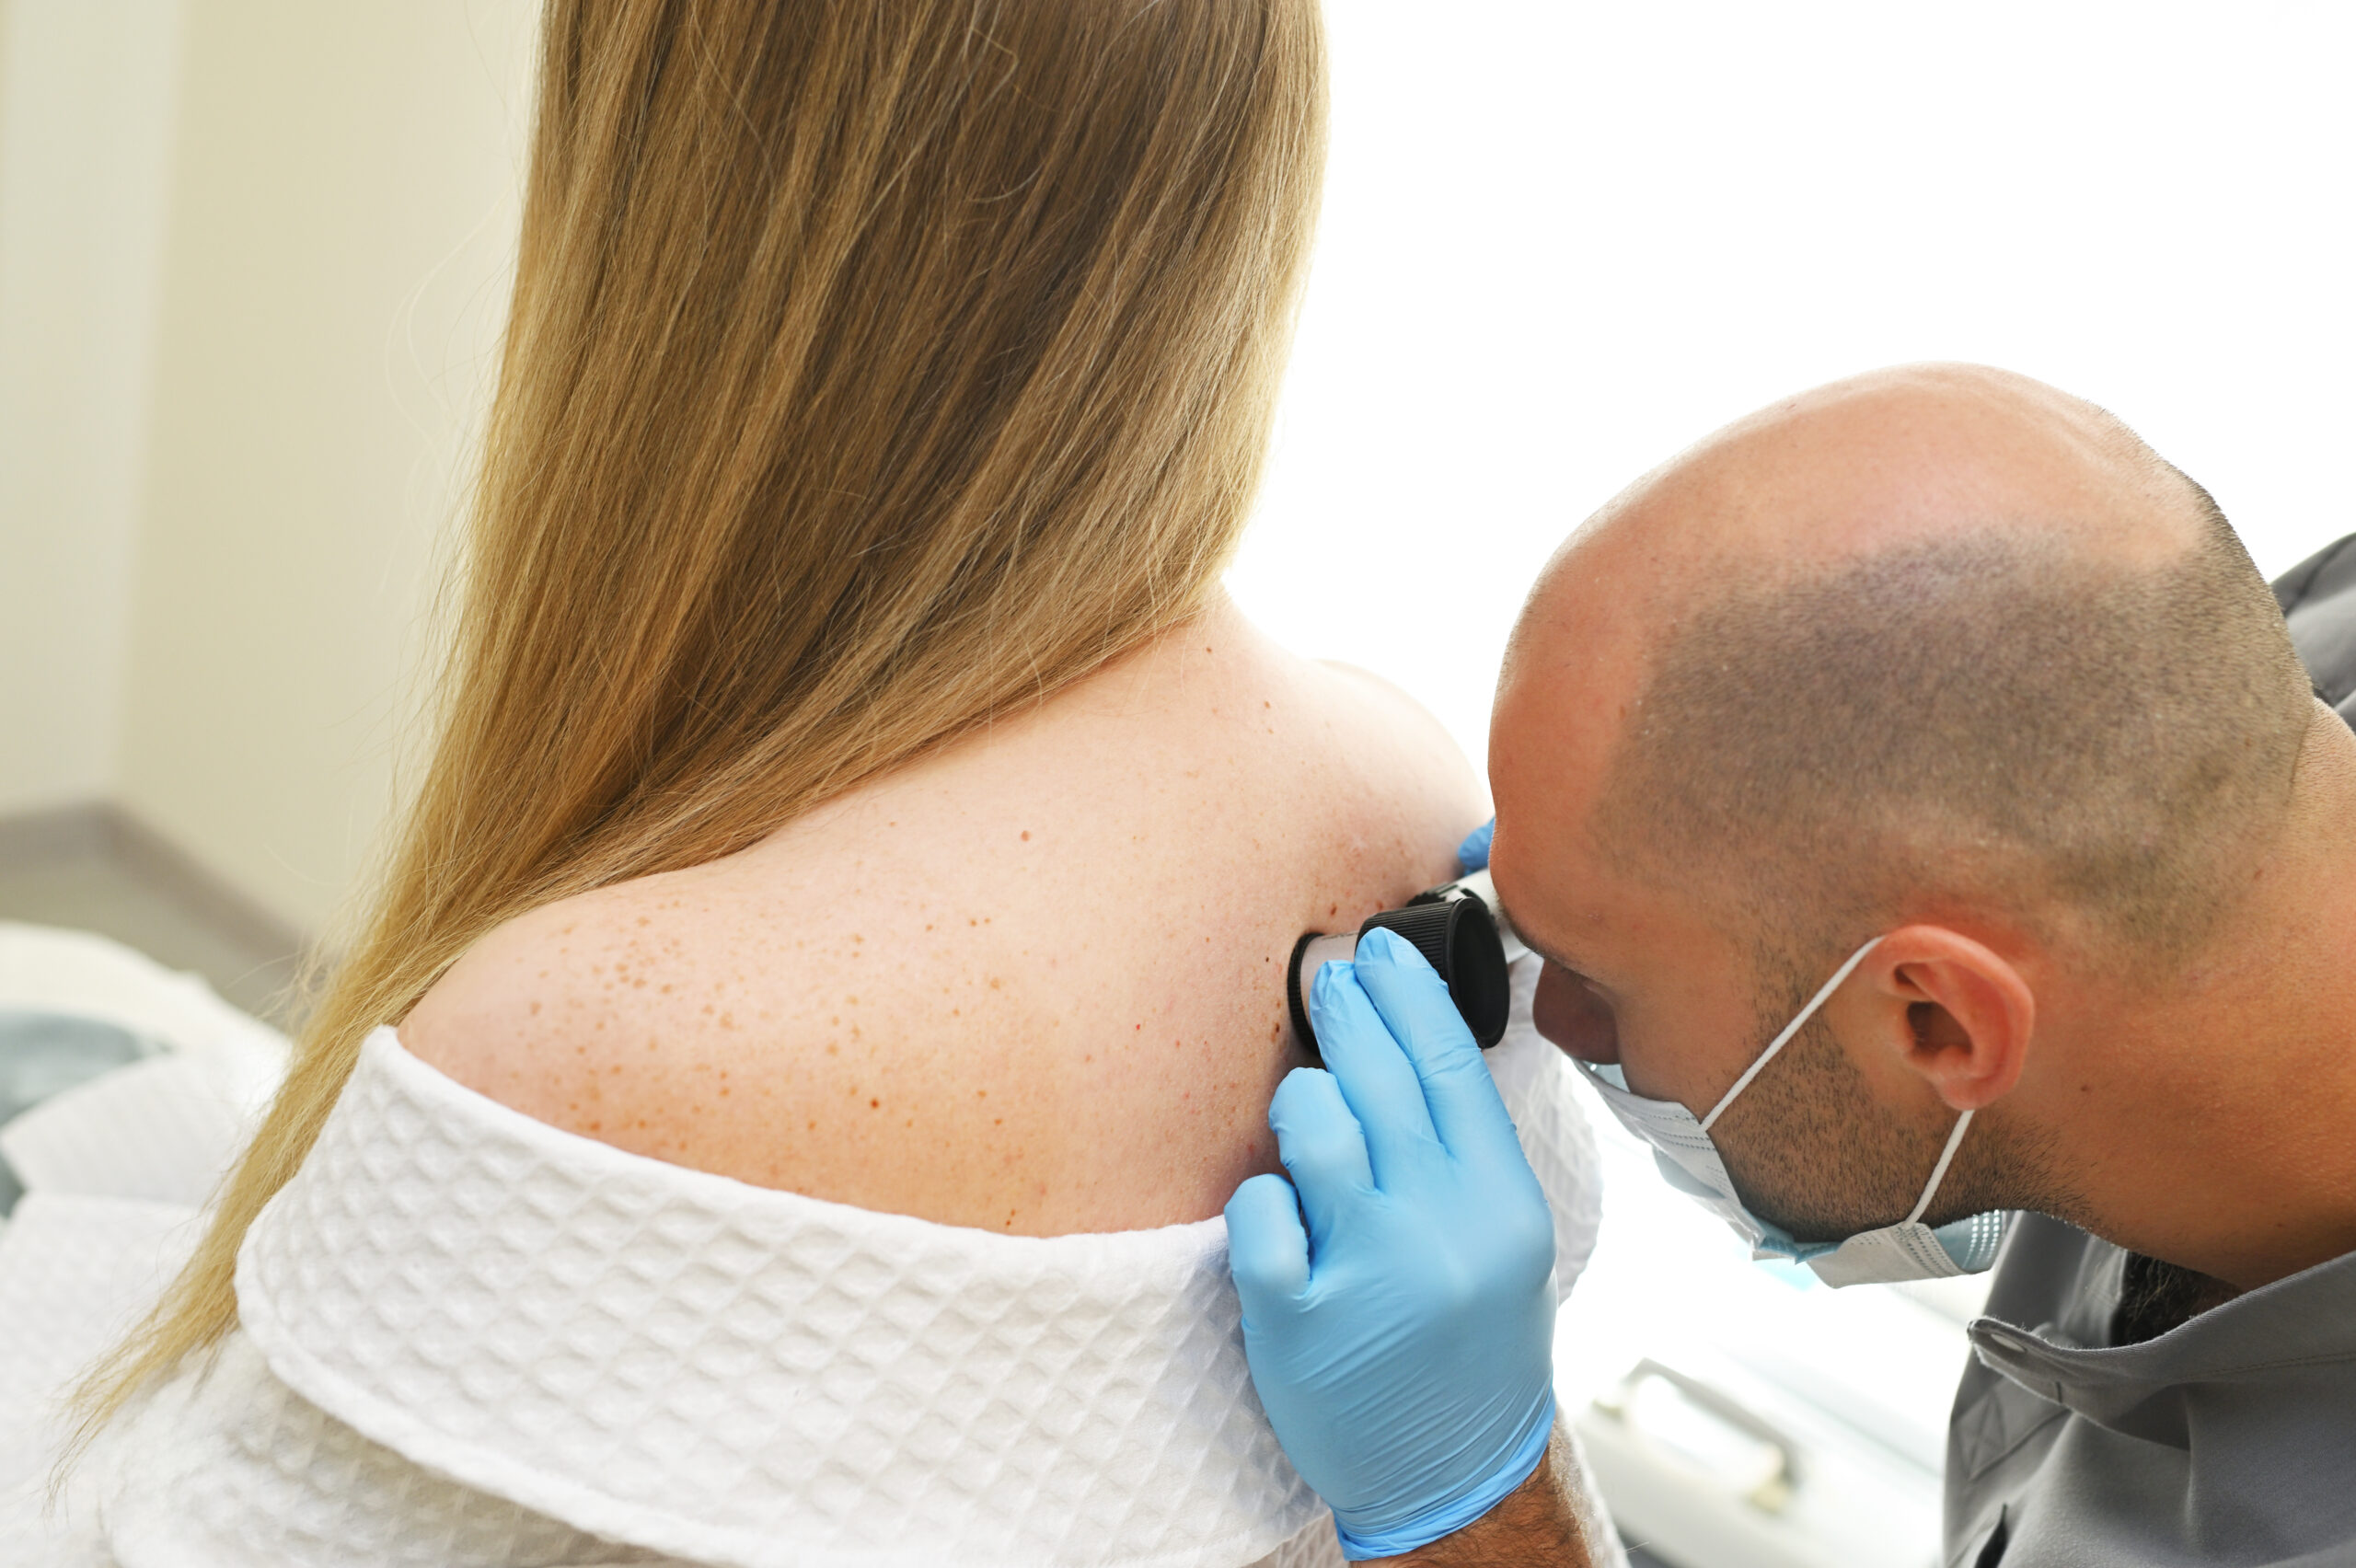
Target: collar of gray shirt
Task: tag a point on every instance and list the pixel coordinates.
(2230, 1437)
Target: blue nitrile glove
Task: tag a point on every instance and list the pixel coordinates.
(1402, 1343)
(1473, 855)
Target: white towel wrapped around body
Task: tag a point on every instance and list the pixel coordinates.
(473, 1340)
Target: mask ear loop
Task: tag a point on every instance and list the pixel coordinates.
(1940, 1171)
(1791, 1029)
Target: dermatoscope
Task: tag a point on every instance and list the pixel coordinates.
(1462, 933)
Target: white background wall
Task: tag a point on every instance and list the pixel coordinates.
(85, 113)
(344, 205)
(1563, 241)
(252, 261)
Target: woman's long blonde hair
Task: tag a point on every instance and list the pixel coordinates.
(874, 367)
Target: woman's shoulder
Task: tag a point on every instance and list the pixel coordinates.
(957, 991)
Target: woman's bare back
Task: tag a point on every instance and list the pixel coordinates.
(1033, 984)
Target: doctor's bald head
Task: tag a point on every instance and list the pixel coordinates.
(1932, 640)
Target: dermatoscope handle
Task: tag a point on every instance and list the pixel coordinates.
(1455, 926)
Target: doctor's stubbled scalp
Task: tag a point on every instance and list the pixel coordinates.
(2096, 746)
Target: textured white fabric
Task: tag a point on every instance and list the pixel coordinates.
(113, 1169)
(75, 1274)
(474, 1341)
(163, 1130)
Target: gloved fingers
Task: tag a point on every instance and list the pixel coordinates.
(1322, 1147)
(1473, 855)
(1412, 1000)
(1267, 1248)
(1373, 1071)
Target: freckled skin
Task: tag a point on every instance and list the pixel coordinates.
(1033, 984)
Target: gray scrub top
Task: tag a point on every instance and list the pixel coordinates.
(2091, 1436)
(2229, 1438)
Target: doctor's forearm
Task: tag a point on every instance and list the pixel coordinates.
(1550, 1521)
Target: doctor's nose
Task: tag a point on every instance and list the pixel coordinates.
(1566, 1011)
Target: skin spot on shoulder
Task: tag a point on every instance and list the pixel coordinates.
(536, 1008)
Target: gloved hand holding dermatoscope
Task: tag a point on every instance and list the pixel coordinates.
(1409, 1420)
(1398, 1291)
(1459, 929)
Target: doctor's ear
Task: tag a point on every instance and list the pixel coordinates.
(1967, 1013)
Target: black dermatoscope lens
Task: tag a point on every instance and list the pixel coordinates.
(1460, 933)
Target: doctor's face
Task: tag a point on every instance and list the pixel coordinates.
(1653, 978)
(1633, 975)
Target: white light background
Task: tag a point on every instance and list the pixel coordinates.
(1561, 241)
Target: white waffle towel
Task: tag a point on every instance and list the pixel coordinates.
(473, 1340)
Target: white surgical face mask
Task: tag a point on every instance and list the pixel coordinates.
(1690, 1163)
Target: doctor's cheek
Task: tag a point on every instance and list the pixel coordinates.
(1563, 1010)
